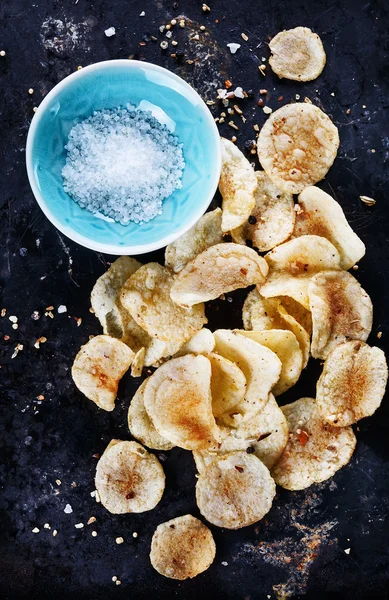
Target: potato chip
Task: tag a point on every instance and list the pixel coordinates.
(298, 312)
(207, 232)
(283, 343)
(297, 145)
(237, 185)
(178, 400)
(140, 425)
(146, 295)
(128, 478)
(352, 383)
(265, 435)
(320, 214)
(261, 314)
(260, 366)
(138, 363)
(235, 490)
(218, 270)
(292, 265)
(182, 548)
(341, 311)
(272, 218)
(99, 366)
(315, 450)
(297, 54)
(202, 342)
(105, 295)
(228, 385)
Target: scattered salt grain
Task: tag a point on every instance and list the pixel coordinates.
(47, 526)
(62, 309)
(119, 540)
(225, 563)
(55, 532)
(13, 319)
(68, 509)
(94, 533)
(142, 14)
(238, 92)
(233, 47)
(110, 31)
(122, 163)
(79, 525)
(35, 530)
(347, 550)
(135, 535)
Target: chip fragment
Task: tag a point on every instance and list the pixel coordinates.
(182, 548)
(228, 385)
(320, 214)
(146, 295)
(292, 265)
(218, 270)
(237, 185)
(297, 54)
(140, 424)
(178, 400)
(352, 383)
(138, 363)
(315, 450)
(283, 343)
(128, 478)
(207, 232)
(260, 366)
(235, 490)
(98, 368)
(297, 145)
(341, 311)
(202, 342)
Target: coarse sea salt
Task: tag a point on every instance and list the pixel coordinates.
(122, 164)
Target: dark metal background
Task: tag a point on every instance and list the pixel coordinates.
(301, 543)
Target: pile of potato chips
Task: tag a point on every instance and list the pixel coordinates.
(215, 393)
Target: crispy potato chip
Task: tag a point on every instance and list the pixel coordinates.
(265, 435)
(235, 490)
(140, 425)
(260, 314)
(292, 265)
(298, 312)
(273, 215)
(138, 363)
(341, 311)
(207, 232)
(320, 214)
(237, 185)
(297, 145)
(128, 478)
(260, 366)
(105, 295)
(297, 54)
(202, 342)
(352, 383)
(182, 548)
(99, 366)
(178, 400)
(146, 295)
(218, 270)
(315, 450)
(283, 343)
(228, 385)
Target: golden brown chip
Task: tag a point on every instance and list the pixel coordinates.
(237, 184)
(292, 265)
(146, 295)
(207, 232)
(138, 363)
(235, 490)
(99, 366)
(341, 311)
(352, 383)
(228, 385)
(218, 270)
(140, 425)
(315, 450)
(178, 400)
(128, 478)
(297, 54)
(182, 548)
(320, 214)
(260, 366)
(283, 343)
(297, 145)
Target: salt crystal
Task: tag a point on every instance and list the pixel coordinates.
(62, 309)
(233, 47)
(68, 509)
(142, 14)
(238, 92)
(35, 530)
(79, 525)
(110, 31)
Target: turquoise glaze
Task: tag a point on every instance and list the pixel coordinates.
(112, 84)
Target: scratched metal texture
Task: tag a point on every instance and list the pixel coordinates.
(298, 550)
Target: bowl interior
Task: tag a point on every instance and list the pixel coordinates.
(110, 85)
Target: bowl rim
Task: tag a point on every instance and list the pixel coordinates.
(107, 248)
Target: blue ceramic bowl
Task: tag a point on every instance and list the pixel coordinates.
(109, 85)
